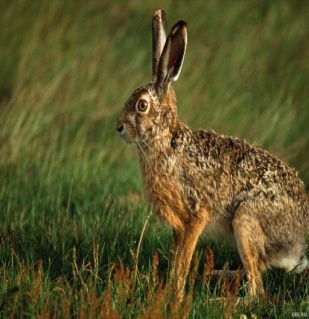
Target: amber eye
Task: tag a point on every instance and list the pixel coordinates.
(142, 105)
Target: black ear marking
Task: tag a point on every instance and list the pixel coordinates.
(172, 57)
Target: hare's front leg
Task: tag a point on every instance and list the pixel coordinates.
(183, 247)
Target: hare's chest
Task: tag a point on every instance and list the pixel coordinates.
(168, 203)
(161, 184)
(163, 189)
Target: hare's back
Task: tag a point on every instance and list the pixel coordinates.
(252, 171)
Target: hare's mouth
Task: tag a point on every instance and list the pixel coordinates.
(127, 138)
(126, 132)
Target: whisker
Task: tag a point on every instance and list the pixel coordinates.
(141, 152)
(153, 149)
(144, 156)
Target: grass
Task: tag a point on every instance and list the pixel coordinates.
(71, 207)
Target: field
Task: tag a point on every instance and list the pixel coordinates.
(77, 240)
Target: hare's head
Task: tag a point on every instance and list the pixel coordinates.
(151, 112)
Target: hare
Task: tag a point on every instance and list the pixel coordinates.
(201, 182)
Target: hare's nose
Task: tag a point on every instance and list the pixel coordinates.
(119, 127)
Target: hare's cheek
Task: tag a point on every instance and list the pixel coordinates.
(140, 131)
(140, 126)
(145, 130)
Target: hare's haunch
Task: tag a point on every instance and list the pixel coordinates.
(203, 182)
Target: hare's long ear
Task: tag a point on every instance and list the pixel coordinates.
(158, 39)
(171, 60)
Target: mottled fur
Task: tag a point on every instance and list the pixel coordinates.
(204, 182)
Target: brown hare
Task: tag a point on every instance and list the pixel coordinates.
(202, 182)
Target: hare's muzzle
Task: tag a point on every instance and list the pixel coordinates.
(125, 129)
(119, 127)
(120, 123)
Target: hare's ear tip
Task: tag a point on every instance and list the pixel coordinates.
(159, 13)
(181, 24)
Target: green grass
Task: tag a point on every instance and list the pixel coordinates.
(71, 204)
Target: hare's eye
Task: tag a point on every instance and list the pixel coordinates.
(142, 105)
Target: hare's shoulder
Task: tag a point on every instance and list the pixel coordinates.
(209, 145)
(218, 153)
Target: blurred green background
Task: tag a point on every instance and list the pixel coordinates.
(67, 68)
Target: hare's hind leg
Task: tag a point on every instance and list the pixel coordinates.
(250, 244)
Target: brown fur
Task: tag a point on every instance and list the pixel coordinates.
(205, 182)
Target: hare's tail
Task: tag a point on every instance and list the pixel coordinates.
(302, 265)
